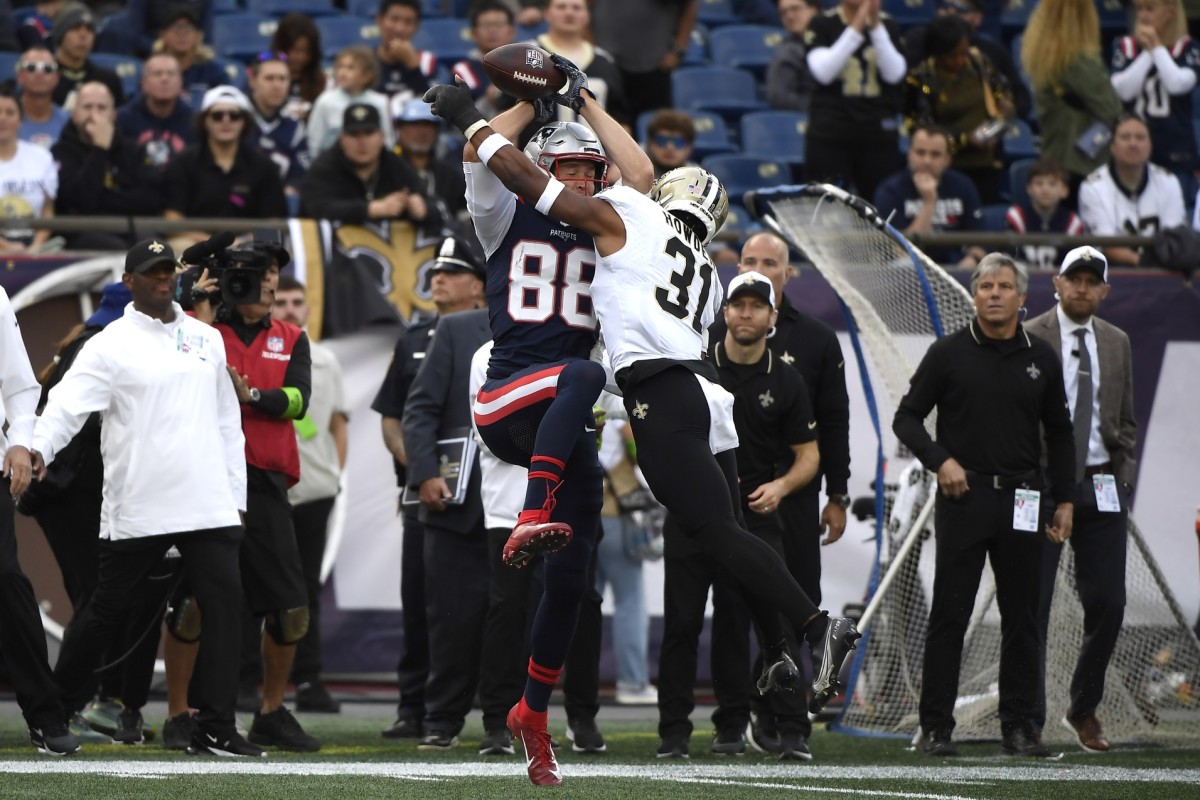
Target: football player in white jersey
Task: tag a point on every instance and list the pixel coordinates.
(655, 293)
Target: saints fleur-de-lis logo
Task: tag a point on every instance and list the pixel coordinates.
(359, 113)
(155, 247)
(1033, 371)
(640, 410)
(787, 357)
(765, 398)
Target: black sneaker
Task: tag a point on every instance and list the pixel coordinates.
(761, 736)
(54, 740)
(315, 698)
(1019, 742)
(673, 746)
(249, 701)
(779, 672)
(280, 729)
(438, 740)
(939, 745)
(178, 731)
(584, 736)
(403, 728)
(794, 747)
(729, 743)
(829, 655)
(497, 743)
(227, 745)
(129, 727)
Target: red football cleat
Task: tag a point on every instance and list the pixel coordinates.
(533, 534)
(539, 755)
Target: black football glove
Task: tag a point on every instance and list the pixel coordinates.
(570, 97)
(544, 109)
(454, 104)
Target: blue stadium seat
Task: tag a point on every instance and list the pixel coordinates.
(740, 223)
(910, 12)
(228, 7)
(728, 92)
(242, 36)
(8, 65)
(1016, 14)
(993, 217)
(775, 135)
(745, 46)
(714, 13)
(696, 54)
(277, 8)
(1019, 141)
(362, 8)
(739, 174)
(341, 32)
(1113, 18)
(128, 69)
(235, 72)
(449, 39)
(1018, 176)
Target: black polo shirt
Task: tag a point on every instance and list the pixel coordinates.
(198, 187)
(993, 397)
(771, 412)
(406, 360)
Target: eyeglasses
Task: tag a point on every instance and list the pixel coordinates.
(222, 115)
(267, 55)
(668, 140)
(44, 67)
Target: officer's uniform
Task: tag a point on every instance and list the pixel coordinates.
(991, 396)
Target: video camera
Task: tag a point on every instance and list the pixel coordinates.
(239, 271)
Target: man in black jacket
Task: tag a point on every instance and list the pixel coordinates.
(100, 171)
(361, 181)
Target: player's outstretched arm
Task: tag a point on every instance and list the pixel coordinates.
(508, 124)
(637, 171)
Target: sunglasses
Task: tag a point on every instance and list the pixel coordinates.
(44, 67)
(267, 55)
(221, 116)
(665, 140)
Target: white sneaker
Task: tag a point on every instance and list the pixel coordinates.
(645, 696)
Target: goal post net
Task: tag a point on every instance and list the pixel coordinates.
(896, 302)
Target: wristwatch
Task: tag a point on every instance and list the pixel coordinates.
(255, 396)
(840, 500)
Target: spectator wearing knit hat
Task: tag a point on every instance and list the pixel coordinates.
(74, 36)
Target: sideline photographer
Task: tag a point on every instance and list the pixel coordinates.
(270, 364)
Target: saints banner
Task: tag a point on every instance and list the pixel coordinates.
(360, 275)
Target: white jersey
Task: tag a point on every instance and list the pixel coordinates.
(657, 295)
(1107, 209)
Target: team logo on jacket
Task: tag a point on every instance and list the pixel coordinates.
(1033, 371)
(765, 398)
(275, 344)
(640, 410)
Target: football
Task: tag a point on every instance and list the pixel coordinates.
(523, 71)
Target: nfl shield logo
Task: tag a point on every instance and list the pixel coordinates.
(275, 344)
(533, 58)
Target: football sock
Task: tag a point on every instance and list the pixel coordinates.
(539, 686)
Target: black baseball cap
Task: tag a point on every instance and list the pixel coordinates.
(148, 253)
(752, 283)
(361, 117)
(456, 254)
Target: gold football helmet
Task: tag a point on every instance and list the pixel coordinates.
(695, 192)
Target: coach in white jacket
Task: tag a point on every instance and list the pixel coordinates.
(174, 474)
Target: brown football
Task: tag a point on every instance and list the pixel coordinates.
(524, 71)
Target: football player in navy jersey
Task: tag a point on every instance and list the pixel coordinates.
(852, 137)
(535, 408)
(1154, 72)
(656, 293)
(1043, 210)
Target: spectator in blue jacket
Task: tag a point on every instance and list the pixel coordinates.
(158, 120)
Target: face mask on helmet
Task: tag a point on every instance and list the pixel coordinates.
(569, 141)
(696, 193)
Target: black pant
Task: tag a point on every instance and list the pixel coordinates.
(513, 596)
(311, 521)
(858, 167)
(22, 638)
(413, 668)
(456, 601)
(974, 527)
(646, 91)
(210, 564)
(1098, 540)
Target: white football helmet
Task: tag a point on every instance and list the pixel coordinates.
(568, 141)
(695, 192)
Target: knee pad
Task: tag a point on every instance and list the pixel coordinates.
(183, 619)
(287, 626)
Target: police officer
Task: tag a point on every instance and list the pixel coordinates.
(992, 385)
(810, 347)
(456, 285)
(777, 456)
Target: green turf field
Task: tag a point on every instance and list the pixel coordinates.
(357, 764)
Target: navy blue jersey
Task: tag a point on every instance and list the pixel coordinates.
(957, 209)
(1169, 116)
(539, 297)
(1022, 218)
